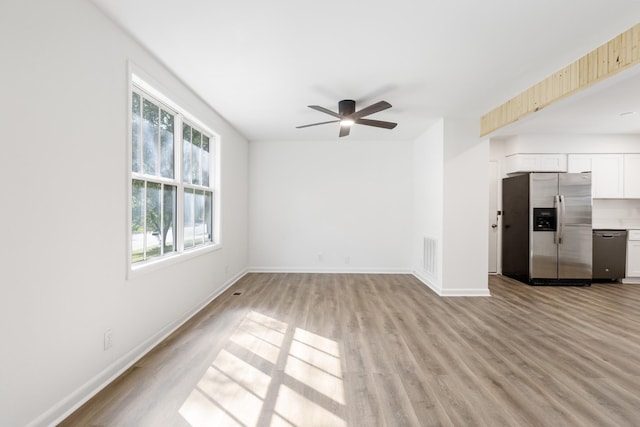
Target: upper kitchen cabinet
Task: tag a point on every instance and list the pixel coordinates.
(536, 163)
(632, 176)
(607, 173)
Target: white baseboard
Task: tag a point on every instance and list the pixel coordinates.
(328, 270)
(424, 279)
(451, 292)
(631, 280)
(427, 282)
(68, 405)
(466, 293)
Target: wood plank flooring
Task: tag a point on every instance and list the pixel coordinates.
(383, 350)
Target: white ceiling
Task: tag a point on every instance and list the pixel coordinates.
(260, 63)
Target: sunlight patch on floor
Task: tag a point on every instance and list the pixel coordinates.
(315, 361)
(218, 400)
(235, 392)
(300, 411)
(256, 345)
(245, 375)
(314, 340)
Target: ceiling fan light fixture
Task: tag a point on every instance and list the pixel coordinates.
(347, 116)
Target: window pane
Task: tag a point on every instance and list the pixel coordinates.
(137, 221)
(168, 218)
(186, 154)
(166, 144)
(205, 160)
(188, 218)
(154, 220)
(195, 156)
(135, 132)
(208, 216)
(200, 229)
(150, 156)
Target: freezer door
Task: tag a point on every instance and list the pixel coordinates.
(515, 227)
(574, 228)
(543, 263)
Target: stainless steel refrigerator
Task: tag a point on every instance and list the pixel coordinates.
(546, 228)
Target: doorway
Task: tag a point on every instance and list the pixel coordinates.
(493, 217)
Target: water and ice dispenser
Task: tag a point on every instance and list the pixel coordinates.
(544, 219)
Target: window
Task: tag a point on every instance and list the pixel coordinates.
(197, 197)
(172, 181)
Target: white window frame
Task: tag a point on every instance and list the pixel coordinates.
(180, 254)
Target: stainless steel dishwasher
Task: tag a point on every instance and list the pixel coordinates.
(609, 254)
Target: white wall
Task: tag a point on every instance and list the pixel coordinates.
(466, 205)
(451, 202)
(330, 206)
(63, 115)
(428, 163)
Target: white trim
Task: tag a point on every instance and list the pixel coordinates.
(427, 282)
(142, 82)
(68, 405)
(216, 187)
(465, 293)
(327, 270)
(143, 267)
(422, 278)
(128, 174)
(138, 82)
(452, 292)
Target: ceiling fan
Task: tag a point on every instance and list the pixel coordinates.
(348, 116)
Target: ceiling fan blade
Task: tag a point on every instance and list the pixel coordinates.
(324, 110)
(374, 108)
(344, 131)
(316, 124)
(376, 123)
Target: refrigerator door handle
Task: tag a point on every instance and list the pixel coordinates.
(561, 219)
(556, 233)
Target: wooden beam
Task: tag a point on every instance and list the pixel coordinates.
(616, 55)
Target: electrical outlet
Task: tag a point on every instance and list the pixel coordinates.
(320, 256)
(108, 339)
(347, 259)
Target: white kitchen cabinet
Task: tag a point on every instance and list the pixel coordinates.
(536, 163)
(632, 176)
(607, 173)
(633, 254)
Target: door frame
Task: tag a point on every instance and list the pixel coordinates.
(494, 189)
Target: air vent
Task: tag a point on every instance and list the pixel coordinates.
(430, 256)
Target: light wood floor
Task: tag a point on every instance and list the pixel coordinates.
(368, 350)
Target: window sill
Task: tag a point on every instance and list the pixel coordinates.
(142, 268)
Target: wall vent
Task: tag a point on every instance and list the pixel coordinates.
(430, 256)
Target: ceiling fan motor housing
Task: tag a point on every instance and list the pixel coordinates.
(346, 107)
(347, 116)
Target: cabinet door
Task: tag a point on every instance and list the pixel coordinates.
(536, 163)
(632, 176)
(580, 163)
(633, 258)
(606, 170)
